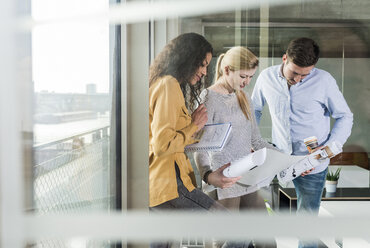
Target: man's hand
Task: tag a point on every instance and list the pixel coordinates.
(199, 116)
(317, 148)
(309, 171)
(217, 178)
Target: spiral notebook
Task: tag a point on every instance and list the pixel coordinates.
(212, 137)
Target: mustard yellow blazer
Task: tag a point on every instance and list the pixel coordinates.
(170, 130)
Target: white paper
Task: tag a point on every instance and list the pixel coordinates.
(212, 138)
(241, 166)
(297, 169)
(258, 169)
(308, 162)
(274, 163)
(253, 188)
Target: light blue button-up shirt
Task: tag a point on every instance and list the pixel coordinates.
(302, 111)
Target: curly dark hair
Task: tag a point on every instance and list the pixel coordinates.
(303, 52)
(181, 58)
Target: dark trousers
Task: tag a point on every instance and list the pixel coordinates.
(195, 200)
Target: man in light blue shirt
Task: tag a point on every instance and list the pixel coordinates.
(301, 100)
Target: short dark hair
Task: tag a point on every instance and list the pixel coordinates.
(303, 52)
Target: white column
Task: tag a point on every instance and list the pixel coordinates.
(10, 132)
(137, 76)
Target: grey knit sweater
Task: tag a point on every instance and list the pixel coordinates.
(243, 137)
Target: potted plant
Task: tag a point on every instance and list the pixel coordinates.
(332, 180)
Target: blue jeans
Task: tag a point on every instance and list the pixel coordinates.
(309, 191)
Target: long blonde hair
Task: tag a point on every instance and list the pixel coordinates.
(237, 58)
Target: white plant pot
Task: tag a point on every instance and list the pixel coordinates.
(331, 186)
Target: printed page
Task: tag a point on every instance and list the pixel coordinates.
(212, 137)
(245, 164)
(274, 163)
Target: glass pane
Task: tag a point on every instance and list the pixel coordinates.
(72, 243)
(341, 30)
(74, 165)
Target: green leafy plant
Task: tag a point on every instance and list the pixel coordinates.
(333, 176)
(268, 207)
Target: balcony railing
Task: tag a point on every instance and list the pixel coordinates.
(72, 174)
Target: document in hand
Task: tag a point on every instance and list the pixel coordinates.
(310, 161)
(274, 163)
(245, 164)
(260, 165)
(212, 137)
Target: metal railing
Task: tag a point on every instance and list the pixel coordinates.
(72, 175)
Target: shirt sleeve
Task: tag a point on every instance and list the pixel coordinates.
(258, 99)
(339, 111)
(166, 111)
(257, 141)
(203, 162)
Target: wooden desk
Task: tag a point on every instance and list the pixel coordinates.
(287, 197)
(352, 196)
(351, 176)
(353, 185)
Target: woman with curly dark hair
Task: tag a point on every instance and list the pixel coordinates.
(180, 66)
(175, 75)
(186, 59)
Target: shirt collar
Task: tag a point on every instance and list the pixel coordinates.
(280, 75)
(310, 75)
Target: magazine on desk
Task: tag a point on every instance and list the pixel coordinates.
(212, 137)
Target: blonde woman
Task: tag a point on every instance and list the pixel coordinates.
(226, 101)
(177, 69)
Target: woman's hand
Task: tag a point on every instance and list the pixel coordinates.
(217, 178)
(199, 116)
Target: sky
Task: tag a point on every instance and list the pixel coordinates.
(68, 55)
